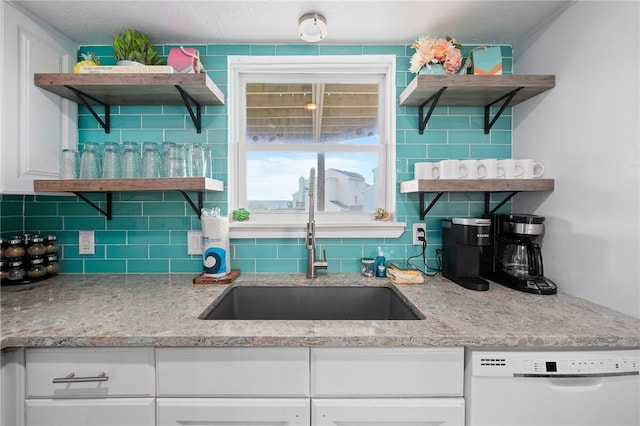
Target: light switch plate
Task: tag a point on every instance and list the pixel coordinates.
(194, 242)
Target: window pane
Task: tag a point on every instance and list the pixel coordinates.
(278, 181)
(328, 113)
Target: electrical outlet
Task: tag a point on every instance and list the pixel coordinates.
(86, 241)
(194, 242)
(419, 230)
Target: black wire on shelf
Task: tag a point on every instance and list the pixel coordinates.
(424, 261)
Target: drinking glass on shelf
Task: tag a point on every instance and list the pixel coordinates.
(196, 161)
(166, 152)
(69, 164)
(208, 162)
(111, 163)
(90, 161)
(177, 161)
(151, 162)
(130, 164)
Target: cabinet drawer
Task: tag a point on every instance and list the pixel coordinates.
(233, 372)
(388, 412)
(379, 372)
(91, 412)
(234, 411)
(127, 371)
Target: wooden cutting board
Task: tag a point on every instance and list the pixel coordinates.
(229, 278)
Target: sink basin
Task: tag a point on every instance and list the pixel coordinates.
(311, 303)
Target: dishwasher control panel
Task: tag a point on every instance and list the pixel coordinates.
(555, 364)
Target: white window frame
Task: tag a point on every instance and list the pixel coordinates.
(328, 225)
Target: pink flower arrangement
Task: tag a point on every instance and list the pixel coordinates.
(436, 50)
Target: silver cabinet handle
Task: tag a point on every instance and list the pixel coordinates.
(71, 378)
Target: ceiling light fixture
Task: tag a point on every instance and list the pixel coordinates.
(311, 106)
(312, 27)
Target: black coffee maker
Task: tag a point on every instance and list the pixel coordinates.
(514, 258)
(462, 239)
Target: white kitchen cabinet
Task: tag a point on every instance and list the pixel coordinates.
(235, 386)
(12, 387)
(36, 124)
(90, 386)
(233, 411)
(388, 411)
(417, 386)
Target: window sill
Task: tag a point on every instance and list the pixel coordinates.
(371, 229)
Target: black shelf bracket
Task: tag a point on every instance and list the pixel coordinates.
(423, 213)
(188, 102)
(109, 200)
(83, 97)
(198, 208)
(488, 124)
(433, 99)
(487, 200)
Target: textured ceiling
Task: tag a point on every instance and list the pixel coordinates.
(275, 21)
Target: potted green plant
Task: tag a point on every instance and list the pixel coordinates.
(132, 45)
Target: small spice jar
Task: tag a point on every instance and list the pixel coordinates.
(15, 249)
(51, 264)
(35, 246)
(37, 268)
(50, 243)
(16, 271)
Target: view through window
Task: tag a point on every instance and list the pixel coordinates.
(293, 127)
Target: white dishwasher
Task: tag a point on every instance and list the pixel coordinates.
(559, 388)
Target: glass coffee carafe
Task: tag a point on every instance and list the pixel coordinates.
(521, 259)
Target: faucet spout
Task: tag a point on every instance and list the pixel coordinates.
(312, 263)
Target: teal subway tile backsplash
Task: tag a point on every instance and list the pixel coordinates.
(148, 231)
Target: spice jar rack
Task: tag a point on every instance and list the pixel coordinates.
(28, 258)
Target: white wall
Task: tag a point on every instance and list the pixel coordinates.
(586, 131)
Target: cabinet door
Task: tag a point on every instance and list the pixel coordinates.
(387, 372)
(91, 412)
(388, 412)
(233, 411)
(127, 372)
(233, 372)
(36, 124)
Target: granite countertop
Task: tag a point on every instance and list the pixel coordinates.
(163, 310)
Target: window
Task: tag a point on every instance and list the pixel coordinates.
(333, 113)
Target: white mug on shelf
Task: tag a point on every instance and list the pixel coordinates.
(488, 168)
(474, 169)
(426, 170)
(531, 169)
(453, 169)
(509, 169)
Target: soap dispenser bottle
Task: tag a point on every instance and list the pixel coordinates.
(381, 268)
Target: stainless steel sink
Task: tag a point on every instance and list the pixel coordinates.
(311, 303)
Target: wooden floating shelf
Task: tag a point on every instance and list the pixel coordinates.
(108, 186)
(128, 185)
(488, 186)
(476, 185)
(132, 89)
(474, 90)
